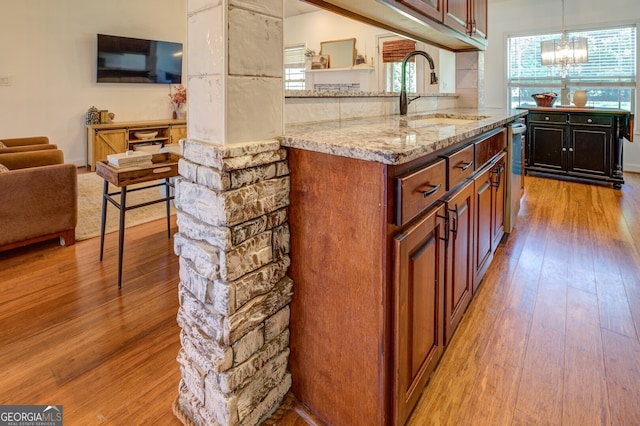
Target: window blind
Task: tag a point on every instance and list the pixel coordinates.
(612, 59)
(395, 51)
(294, 67)
(294, 56)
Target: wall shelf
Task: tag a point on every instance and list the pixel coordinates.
(356, 68)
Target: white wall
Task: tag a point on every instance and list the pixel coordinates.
(48, 50)
(518, 17)
(313, 28)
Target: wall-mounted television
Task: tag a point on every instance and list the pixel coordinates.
(135, 60)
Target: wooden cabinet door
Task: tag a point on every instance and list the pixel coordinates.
(498, 175)
(479, 20)
(177, 132)
(456, 15)
(419, 273)
(547, 147)
(107, 142)
(430, 8)
(482, 253)
(459, 263)
(589, 150)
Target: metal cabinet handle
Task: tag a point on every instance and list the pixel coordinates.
(432, 189)
(498, 172)
(465, 166)
(454, 227)
(445, 234)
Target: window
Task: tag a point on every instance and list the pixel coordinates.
(609, 76)
(394, 49)
(294, 67)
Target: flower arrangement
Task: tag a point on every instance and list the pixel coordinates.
(309, 53)
(179, 96)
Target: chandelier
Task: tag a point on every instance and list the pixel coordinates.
(564, 52)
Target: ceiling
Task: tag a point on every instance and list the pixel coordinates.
(297, 7)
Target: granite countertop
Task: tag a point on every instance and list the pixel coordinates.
(356, 94)
(395, 139)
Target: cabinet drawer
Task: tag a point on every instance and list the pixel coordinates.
(548, 117)
(460, 165)
(488, 147)
(418, 190)
(591, 120)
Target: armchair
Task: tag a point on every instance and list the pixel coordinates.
(38, 198)
(35, 143)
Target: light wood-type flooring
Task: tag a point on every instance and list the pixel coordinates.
(550, 338)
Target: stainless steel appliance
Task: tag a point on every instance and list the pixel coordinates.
(515, 134)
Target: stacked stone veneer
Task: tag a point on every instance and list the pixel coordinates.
(233, 243)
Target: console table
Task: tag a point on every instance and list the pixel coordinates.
(165, 166)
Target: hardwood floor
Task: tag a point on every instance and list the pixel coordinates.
(70, 337)
(550, 338)
(552, 335)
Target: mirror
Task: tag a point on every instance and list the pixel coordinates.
(342, 53)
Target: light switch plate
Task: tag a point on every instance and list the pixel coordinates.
(5, 81)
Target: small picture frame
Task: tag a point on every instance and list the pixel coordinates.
(320, 62)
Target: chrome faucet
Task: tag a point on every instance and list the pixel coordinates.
(404, 102)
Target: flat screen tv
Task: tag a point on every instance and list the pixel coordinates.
(134, 60)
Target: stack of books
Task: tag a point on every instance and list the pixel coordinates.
(130, 159)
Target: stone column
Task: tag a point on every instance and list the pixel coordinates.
(232, 197)
(470, 79)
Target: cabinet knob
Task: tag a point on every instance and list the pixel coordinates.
(571, 149)
(564, 149)
(546, 118)
(589, 120)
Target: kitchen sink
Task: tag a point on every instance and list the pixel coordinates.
(444, 119)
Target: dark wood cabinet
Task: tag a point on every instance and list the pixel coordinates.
(589, 147)
(467, 16)
(577, 143)
(419, 272)
(459, 265)
(483, 254)
(430, 8)
(489, 187)
(498, 176)
(479, 18)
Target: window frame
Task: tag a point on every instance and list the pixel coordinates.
(300, 68)
(624, 85)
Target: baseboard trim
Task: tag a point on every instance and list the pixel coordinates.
(632, 167)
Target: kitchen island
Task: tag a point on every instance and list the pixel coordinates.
(579, 143)
(393, 222)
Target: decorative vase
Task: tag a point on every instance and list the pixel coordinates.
(179, 111)
(580, 98)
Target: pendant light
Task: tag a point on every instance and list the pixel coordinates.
(564, 52)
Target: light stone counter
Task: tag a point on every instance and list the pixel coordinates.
(396, 139)
(357, 94)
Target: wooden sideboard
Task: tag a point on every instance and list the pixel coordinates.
(114, 138)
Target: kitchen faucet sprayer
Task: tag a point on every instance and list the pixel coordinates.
(404, 102)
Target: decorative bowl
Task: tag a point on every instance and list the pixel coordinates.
(545, 99)
(146, 135)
